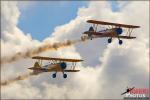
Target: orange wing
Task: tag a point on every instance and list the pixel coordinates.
(114, 24)
(58, 59)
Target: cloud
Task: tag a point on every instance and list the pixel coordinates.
(11, 36)
(22, 46)
(128, 65)
(108, 69)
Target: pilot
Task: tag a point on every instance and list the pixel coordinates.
(91, 29)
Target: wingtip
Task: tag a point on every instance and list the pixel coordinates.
(82, 60)
(89, 20)
(34, 57)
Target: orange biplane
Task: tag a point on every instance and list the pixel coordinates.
(114, 30)
(56, 65)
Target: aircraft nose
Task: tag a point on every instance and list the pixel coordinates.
(119, 31)
(63, 65)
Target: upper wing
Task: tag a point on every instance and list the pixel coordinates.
(114, 24)
(58, 59)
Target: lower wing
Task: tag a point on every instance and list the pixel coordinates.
(127, 37)
(71, 70)
(123, 37)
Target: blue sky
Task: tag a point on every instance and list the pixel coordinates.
(40, 18)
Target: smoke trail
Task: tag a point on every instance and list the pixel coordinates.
(40, 49)
(20, 77)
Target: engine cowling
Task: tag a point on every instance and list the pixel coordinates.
(63, 65)
(119, 31)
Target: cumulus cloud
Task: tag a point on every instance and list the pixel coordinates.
(108, 69)
(22, 45)
(11, 36)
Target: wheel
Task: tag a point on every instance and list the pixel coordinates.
(65, 75)
(120, 42)
(54, 75)
(109, 40)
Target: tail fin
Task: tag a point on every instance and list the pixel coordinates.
(36, 65)
(35, 68)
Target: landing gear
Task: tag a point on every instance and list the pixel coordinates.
(120, 42)
(54, 75)
(109, 40)
(91, 37)
(65, 75)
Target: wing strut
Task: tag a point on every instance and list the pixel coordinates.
(73, 65)
(129, 31)
(96, 28)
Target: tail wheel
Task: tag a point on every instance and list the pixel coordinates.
(120, 42)
(109, 40)
(65, 75)
(54, 75)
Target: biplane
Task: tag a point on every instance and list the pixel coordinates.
(112, 30)
(128, 90)
(55, 65)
